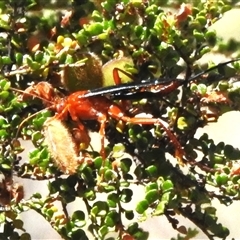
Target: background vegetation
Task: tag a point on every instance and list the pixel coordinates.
(66, 43)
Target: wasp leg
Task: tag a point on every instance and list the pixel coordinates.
(115, 112)
(83, 136)
(116, 76)
(102, 119)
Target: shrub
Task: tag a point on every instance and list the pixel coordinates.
(51, 51)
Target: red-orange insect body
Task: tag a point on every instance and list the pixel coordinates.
(93, 105)
(100, 108)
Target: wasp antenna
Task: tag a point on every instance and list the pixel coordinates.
(25, 120)
(17, 71)
(212, 68)
(77, 64)
(23, 70)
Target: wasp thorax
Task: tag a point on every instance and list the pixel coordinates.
(60, 105)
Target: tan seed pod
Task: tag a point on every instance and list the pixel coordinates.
(61, 146)
(84, 76)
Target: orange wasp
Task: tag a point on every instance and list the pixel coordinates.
(91, 105)
(97, 105)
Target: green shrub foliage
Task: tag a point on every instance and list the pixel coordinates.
(70, 46)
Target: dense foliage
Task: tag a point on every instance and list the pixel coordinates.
(68, 46)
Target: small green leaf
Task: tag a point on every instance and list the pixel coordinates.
(112, 219)
(167, 185)
(140, 234)
(19, 58)
(49, 213)
(3, 133)
(112, 200)
(94, 29)
(36, 136)
(37, 195)
(182, 123)
(3, 121)
(211, 37)
(6, 166)
(166, 196)
(81, 37)
(103, 231)
(2, 218)
(79, 234)
(90, 194)
(210, 210)
(98, 162)
(202, 20)
(25, 236)
(129, 214)
(142, 206)
(18, 224)
(110, 175)
(3, 83)
(6, 60)
(152, 195)
(202, 89)
(69, 59)
(221, 178)
(78, 215)
(126, 164)
(236, 179)
(126, 195)
(152, 171)
(38, 56)
(132, 228)
(109, 188)
(118, 148)
(78, 219)
(94, 211)
(160, 208)
(100, 208)
(151, 186)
